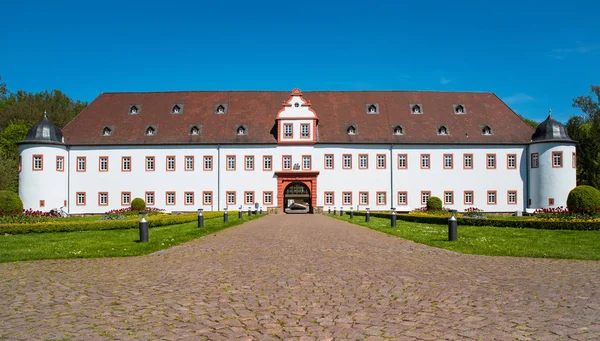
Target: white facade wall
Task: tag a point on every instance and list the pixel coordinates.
(548, 182)
(48, 185)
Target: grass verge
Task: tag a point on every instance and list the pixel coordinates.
(111, 243)
(493, 241)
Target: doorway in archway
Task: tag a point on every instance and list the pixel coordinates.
(297, 198)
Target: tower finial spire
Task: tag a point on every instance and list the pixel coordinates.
(550, 112)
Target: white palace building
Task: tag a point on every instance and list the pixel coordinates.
(181, 151)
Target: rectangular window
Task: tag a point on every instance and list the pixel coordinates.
(80, 163)
(347, 198)
(381, 164)
(402, 198)
(125, 198)
(381, 198)
(363, 198)
(208, 163)
(288, 131)
(468, 161)
(80, 198)
(60, 163)
(103, 164)
(249, 162)
(491, 197)
(126, 163)
(511, 161)
(149, 198)
(170, 163)
(574, 160)
(207, 198)
(468, 197)
(491, 161)
(328, 161)
(448, 161)
(248, 198)
(347, 161)
(535, 160)
(230, 198)
(363, 161)
(306, 161)
(449, 198)
(287, 162)
(402, 161)
(150, 163)
(102, 199)
(170, 198)
(329, 198)
(425, 197)
(512, 197)
(189, 198)
(304, 130)
(550, 201)
(38, 163)
(557, 159)
(267, 198)
(189, 163)
(42, 203)
(230, 162)
(424, 161)
(267, 162)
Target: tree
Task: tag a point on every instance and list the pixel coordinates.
(9, 154)
(532, 123)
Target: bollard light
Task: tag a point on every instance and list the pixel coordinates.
(200, 217)
(334, 211)
(393, 221)
(143, 227)
(329, 211)
(249, 210)
(452, 224)
(240, 212)
(260, 211)
(351, 213)
(225, 215)
(341, 211)
(367, 216)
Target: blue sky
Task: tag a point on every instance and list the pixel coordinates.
(533, 55)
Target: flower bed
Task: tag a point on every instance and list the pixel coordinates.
(26, 216)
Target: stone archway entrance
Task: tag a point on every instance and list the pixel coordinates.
(296, 198)
(305, 178)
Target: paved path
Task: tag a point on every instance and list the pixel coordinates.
(301, 278)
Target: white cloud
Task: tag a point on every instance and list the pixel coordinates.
(445, 81)
(518, 98)
(562, 53)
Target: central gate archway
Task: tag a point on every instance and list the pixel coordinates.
(306, 178)
(296, 198)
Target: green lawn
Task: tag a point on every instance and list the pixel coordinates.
(494, 241)
(113, 243)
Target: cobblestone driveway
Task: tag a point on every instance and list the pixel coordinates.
(301, 277)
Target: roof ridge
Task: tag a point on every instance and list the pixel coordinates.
(303, 91)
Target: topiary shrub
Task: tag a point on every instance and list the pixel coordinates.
(10, 201)
(583, 197)
(138, 204)
(434, 204)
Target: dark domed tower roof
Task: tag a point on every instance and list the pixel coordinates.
(550, 130)
(44, 132)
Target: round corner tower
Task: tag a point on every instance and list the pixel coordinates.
(43, 171)
(552, 162)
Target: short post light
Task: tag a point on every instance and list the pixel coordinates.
(260, 210)
(452, 224)
(341, 211)
(200, 217)
(225, 215)
(329, 210)
(334, 210)
(367, 216)
(249, 210)
(143, 227)
(351, 213)
(393, 221)
(240, 212)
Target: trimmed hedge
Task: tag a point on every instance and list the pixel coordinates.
(10, 201)
(582, 197)
(434, 204)
(99, 225)
(530, 224)
(138, 204)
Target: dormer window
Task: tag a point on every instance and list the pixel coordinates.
(134, 109)
(459, 109)
(241, 130)
(372, 109)
(150, 131)
(221, 109)
(398, 130)
(106, 131)
(416, 109)
(177, 109)
(351, 130)
(486, 131)
(194, 131)
(443, 130)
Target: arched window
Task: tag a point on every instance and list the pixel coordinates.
(351, 130)
(133, 110)
(150, 131)
(241, 130)
(459, 109)
(194, 131)
(372, 109)
(220, 109)
(106, 131)
(416, 109)
(176, 109)
(443, 130)
(486, 130)
(398, 130)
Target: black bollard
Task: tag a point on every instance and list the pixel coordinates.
(225, 216)
(249, 211)
(341, 211)
(240, 213)
(452, 230)
(143, 228)
(260, 211)
(334, 211)
(200, 218)
(393, 221)
(329, 211)
(351, 214)
(367, 216)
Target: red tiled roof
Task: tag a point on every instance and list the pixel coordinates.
(335, 109)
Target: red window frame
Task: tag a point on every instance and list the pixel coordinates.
(246, 202)
(384, 162)
(405, 196)
(508, 161)
(487, 162)
(62, 158)
(100, 163)
(123, 164)
(153, 158)
(428, 161)
(204, 193)
(304, 125)
(123, 202)
(325, 161)
(445, 201)
(265, 202)
(309, 160)
(508, 197)
(451, 161)
(332, 198)
(167, 163)
(207, 157)
(77, 198)
(465, 161)
(185, 161)
(227, 197)
(537, 160)
(384, 198)
(174, 198)
(99, 201)
(246, 168)
(344, 161)
(405, 161)
(360, 196)
(343, 195)
(153, 198)
(84, 158)
(283, 162)
(561, 159)
(472, 197)
(495, 196)
(263, 163)
(283, 136)
(227, 162)
(428, 197)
